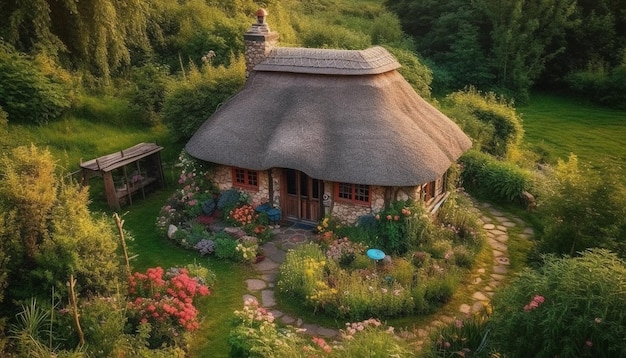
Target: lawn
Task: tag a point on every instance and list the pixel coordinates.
(560, 126)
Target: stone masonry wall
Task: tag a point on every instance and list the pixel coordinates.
(223, 179)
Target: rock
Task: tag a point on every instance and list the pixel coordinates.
(171, 230)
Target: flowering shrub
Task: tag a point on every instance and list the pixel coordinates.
(256, 335)
(248, 247)
(344, 251)
(570, 307)
(166, 303)
(242, 216)
(205, 247)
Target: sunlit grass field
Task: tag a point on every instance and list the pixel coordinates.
(560, 126)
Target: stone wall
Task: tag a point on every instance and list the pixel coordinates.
(223, 179)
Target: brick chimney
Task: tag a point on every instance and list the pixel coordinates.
(259, 41)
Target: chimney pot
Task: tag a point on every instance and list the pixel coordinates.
(261, 14)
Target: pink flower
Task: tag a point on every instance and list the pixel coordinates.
(589, 343)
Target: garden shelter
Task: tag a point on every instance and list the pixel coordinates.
(129, 172)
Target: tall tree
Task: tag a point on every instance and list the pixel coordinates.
(91, 35)
(525, 35)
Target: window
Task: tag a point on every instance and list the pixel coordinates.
(353, 193)
(244, 178)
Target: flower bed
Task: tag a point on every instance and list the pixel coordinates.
(335, 277)
(195, 214)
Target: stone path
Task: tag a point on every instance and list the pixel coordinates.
(484, 280)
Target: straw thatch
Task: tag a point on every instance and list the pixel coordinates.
(364, 128)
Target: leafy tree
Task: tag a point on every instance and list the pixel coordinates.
(48, 231)
(525, 35)
(90, 35)
(193, 99)
(27, 92)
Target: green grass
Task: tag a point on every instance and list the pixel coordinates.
(152, 249)
(560, 125)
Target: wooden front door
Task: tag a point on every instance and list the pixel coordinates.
(302, 196)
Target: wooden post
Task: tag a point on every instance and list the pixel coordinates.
(119, 222)
(81, 335)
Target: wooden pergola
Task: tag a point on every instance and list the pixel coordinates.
(127, 172)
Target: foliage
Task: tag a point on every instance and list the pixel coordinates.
(315, 34)
(256, 334)
(394, 226)
(585, 209)
(27, 93)
(488, 177)
(192, 99)
(226, 248)
(146, 96)
(95, 36)
(165, 301)
(49, 232)
(467, 336)
(579, 309)
(601, 85)
(413, 70)
(500, 117)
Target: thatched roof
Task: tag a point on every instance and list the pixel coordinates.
(362, 128)
(372, 61)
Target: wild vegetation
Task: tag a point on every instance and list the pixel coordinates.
(154, 71)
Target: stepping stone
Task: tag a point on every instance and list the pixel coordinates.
(485, 219)
(327, 332)
(267, 298)
(497, 277)
(477, 280)
(497, 232)
(501, 228)
(529, 231)
(503, 260)
(311, 329)
(497, 245)
(495, 212)
(269, 248)
(465, 308)
(255, 284)
(267, 265)
(480, 296)
(422, 333)
(502, 270)
(287, 319)
(481, 270)
(248, 297)
(497, 254)
(269, 277)
(276, 313)
(502, 238)
(525, 236)
(488, 289)
(478, 306)
(508, 224)
(489, 226)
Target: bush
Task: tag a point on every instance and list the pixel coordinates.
(490, 178)
(27, 93)
(570, 307)
(606, 87)
(496, 113)
(148, 93)
(192, 100)
(226, 248)
(578, 213)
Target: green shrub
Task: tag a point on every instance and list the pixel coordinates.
(226, 248)
(315, 34)
(579, 213)
(27, 93)
(191, 100)
(461, 337)
(606, 87)
(490, 178)
(457, 213)
(147, 95)
(495, 112)
(570, 307)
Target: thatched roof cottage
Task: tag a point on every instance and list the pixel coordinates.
(318, 131)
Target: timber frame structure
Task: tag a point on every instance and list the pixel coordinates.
(130, 171)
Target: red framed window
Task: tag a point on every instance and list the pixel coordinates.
(353, 193)
(244, 178)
